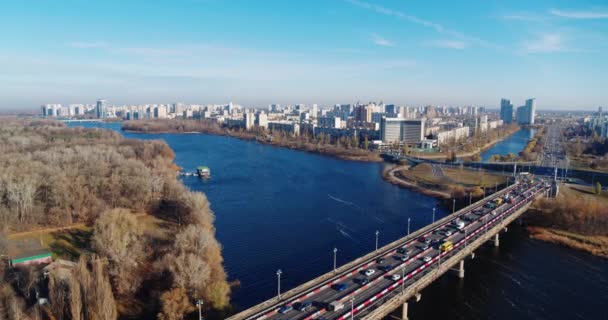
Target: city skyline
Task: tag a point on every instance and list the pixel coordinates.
(313, 52)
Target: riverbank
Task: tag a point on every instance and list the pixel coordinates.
(474, 155)
(443, 182)
(576, 219)
(343, 149)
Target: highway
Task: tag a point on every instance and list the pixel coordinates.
(553, 154)
(407, 261)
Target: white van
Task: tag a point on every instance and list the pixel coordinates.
(336, 305)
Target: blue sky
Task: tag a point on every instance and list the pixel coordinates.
(334, 51)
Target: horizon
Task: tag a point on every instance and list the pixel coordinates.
(320, 52)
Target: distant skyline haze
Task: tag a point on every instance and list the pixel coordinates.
(260, 52)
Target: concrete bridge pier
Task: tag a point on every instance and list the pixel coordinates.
(404, 311)
(461, 269)
(496, 240)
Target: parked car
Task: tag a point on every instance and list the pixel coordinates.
(395, 277)
(363, 281)
(380, 260)
(369, 272)
(426, 259)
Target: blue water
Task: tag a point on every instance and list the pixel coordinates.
(278, 208)
(512, 144)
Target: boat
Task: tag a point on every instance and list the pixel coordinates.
(203, 172)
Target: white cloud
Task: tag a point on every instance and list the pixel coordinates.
(450, 44)
(547, 43)
(425, 23)
(378, 40)
(87, 45)
(579, 14)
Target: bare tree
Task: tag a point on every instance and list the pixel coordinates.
(118, 237)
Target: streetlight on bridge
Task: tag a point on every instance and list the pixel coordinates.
(408, 226)
(335, 252)
(352, 307)
(377, 233)
(199, 304)
(453, 205)
(433, 214)
(279, 272)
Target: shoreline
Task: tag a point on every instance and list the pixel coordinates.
(369, 157)
(389, 176)
(594, 245)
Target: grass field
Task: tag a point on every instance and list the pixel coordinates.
(70, 242)
(465, 177)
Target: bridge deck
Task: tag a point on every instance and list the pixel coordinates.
(379, 294)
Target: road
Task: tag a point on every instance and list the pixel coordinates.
(553, 154)
(410, 260)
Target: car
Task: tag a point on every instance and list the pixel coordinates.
(448, 233)
(339, 286)
(426, 259)
(369, 272)
(401, 250)
(286, 308)
(388, 268)
(395, 277)
(363, 281)
(404, 258)
(424, 240)
(380, 260)
(304, 306)
(424, 247)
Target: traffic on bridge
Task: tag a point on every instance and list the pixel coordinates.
(399, 265)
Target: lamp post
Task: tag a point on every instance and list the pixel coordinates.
(352, 307)
(453, 205)
(433, 215)
(377, 233)
(335, 252)
(279, 272)
(403, 278)
(408, 226)
(199, 304)
(470, 198)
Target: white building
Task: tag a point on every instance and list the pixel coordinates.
(329, 122)
(454, 135)
(410, 131)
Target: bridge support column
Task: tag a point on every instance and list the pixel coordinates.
(404, 311)
(461, 269)
(496, 240)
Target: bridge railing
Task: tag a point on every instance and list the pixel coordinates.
(326, 279)
(380, 311)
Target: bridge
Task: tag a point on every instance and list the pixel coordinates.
(375, 285)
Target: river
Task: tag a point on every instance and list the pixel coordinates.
(511, 144)
(284, 209)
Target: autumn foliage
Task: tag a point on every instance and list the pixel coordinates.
(51, 175)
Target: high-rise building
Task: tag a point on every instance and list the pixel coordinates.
(410, 131)
(506, 111)
(100, 109)
(526, 114)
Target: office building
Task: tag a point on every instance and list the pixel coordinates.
(100, 109)
(410, 131)
(506, 111)
(525, 114)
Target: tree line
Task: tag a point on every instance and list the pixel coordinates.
(51, 175)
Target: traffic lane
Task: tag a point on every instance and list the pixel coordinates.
(457, 238)
(410, 242)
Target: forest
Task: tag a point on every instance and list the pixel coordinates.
(51, 175)
(343, 148)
